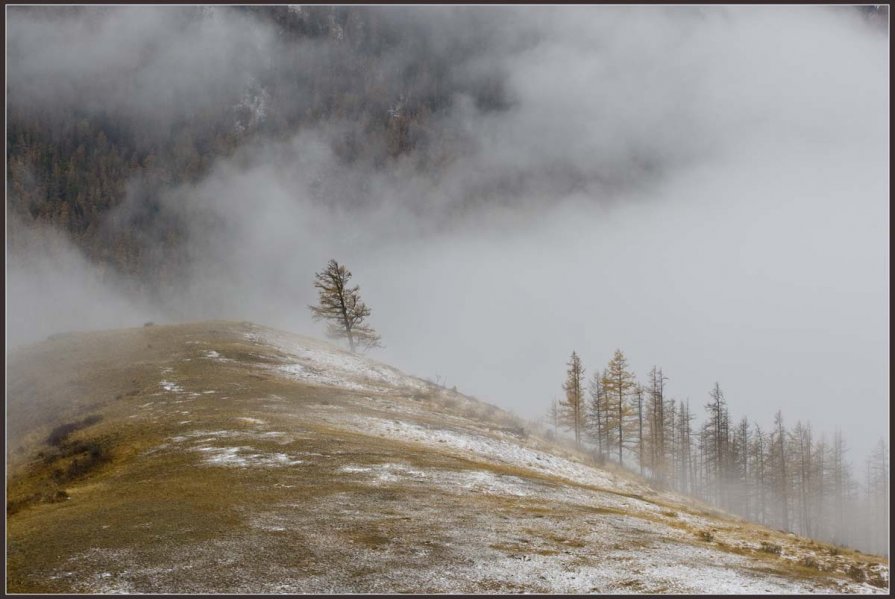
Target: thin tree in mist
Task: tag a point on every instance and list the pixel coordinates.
(572, 408)
(619, 384)
(342, 308)
(553, 416)
(596, 413)
(877, 487)
(716, 440)
(779, 459)
(655, 437)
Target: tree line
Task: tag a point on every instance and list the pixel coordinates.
(789, 478)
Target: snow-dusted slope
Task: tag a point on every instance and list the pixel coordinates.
(236, 458)
(319, 363)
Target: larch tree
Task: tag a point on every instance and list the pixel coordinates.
(800, 455)
(716, 429)
(819, 492)
(596, 412)
(839, 473)
(618, 385)
(572, 407)
(740, 464)
(877, 487)
(638, 395)
(759, 473)
(342, 308)
(553, 415)
(685, 459)
(656, 424)
(778, 453)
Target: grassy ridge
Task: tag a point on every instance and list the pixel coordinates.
(179, 472)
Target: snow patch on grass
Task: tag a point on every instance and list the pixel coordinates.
(350, 469)
(171, 387)
(203, 438)
(455, 481)
(500, 451)
(316, 377)
(244, 457)
(211, 354)
(320, 364)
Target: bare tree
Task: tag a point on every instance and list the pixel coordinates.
(800, 454)
(878, 496)
(656, 424)
(638, 396)
(759, 456)
(342, 307)
(779, 456)
(741, 498)
(716, 429)
(689, 480)
(553, 415)
(840, 486)
(596, 412)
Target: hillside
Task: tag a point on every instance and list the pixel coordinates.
(101, 166)
(389, 87)
(228, 457)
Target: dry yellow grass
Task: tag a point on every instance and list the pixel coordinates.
(151, 513)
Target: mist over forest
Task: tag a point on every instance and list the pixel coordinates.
(703, 187)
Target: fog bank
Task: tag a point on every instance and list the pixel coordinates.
(706, 189)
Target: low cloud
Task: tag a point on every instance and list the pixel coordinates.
(706, 189)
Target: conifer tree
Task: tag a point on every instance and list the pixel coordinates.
(572, 408)
(656, 424)
(759, 477)
(689, 478)
(618, 384)
(342, 308)
(553, 415)
(596, 412)
(638, 396)
(839, 474)
(877, 488)
(781, 479)
(716, 435)
(740, 464)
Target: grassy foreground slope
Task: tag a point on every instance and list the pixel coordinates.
(228, 457)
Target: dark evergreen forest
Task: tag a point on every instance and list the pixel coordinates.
(73, 160)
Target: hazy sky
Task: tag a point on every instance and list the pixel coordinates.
(706, 189)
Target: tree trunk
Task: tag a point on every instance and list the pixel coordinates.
(620, 408)
(640, 431)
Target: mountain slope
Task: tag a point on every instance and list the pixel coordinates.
(228, 457)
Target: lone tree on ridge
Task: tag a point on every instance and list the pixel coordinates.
(342, 308)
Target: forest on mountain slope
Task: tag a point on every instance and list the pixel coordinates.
(96, 163)
(98, 146)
